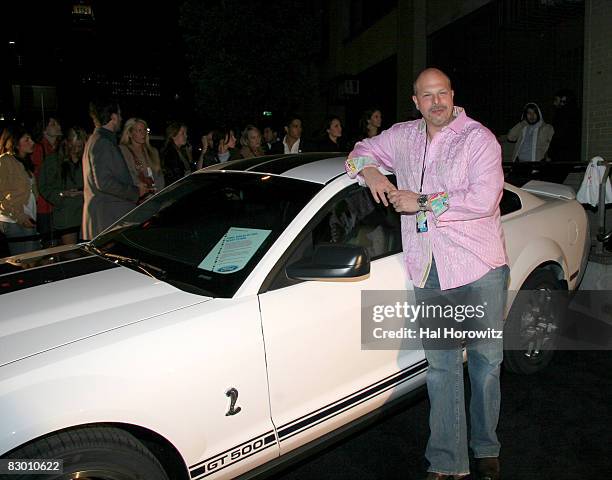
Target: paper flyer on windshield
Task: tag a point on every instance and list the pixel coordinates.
(234, 250)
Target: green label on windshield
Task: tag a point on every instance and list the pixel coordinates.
(234, 250)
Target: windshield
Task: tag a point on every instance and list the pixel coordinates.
(206, 233)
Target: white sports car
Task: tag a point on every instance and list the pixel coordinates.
(214, 331)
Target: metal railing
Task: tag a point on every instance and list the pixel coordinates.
(547, 171)
(602, 235)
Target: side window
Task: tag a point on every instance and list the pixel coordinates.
(509, 203)
(351, 217)
(356, 219)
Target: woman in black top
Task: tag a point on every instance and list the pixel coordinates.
(332, 140)
(175, 164)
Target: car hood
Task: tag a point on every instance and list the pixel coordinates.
(60, 296)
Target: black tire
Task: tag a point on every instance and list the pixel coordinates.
(533, 323)
(93, 453)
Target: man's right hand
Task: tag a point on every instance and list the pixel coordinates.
(378, 184)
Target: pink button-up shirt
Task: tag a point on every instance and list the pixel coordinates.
(463, 160)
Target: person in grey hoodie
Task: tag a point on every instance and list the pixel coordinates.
(532, 136)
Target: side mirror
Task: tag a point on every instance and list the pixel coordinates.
(330, 261)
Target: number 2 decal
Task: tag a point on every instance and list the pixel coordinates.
(232, 393)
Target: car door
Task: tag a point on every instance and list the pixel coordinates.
(320, 377)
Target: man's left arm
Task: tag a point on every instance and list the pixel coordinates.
(481, 197)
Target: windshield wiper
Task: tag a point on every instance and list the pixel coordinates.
(144, 267)
(90, 247)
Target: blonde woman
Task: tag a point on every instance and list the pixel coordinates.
(141, 157)
(251, 142)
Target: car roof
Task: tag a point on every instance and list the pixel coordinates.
(312, 167)
(319, 168)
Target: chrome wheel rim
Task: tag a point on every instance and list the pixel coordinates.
(538, 324)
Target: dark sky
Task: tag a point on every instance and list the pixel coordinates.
(128, 37)
(135, 33)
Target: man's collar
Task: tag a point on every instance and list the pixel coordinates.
(297, 142)
(107, 133)
(460, 118)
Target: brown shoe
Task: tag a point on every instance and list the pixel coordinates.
(487, 468)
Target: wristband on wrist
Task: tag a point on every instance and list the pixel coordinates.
(439, 203)
(355, 164)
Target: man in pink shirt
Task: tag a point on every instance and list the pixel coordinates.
(450, 182)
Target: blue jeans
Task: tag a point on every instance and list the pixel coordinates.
(447, 448)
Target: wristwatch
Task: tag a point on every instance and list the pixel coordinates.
(422, 201)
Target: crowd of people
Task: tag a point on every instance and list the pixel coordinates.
(59, 187)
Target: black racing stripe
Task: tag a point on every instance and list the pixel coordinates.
(193, 474)
(333, 178)
(200, 467)
(234, 448)
(244, 164)
(280, 166)
(416, 366)
(362, 400)
(574, 275)
(55, 272)
(277, 164)
(349, 401)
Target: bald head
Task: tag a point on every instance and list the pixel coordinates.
(430, 75)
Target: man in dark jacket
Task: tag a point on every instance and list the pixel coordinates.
(271, 139)
(293, 142)
(109, 191)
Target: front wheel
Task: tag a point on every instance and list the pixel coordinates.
(93, 453)
(531, 327)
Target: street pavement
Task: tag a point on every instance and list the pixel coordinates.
(597, 276)
(554, 425)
